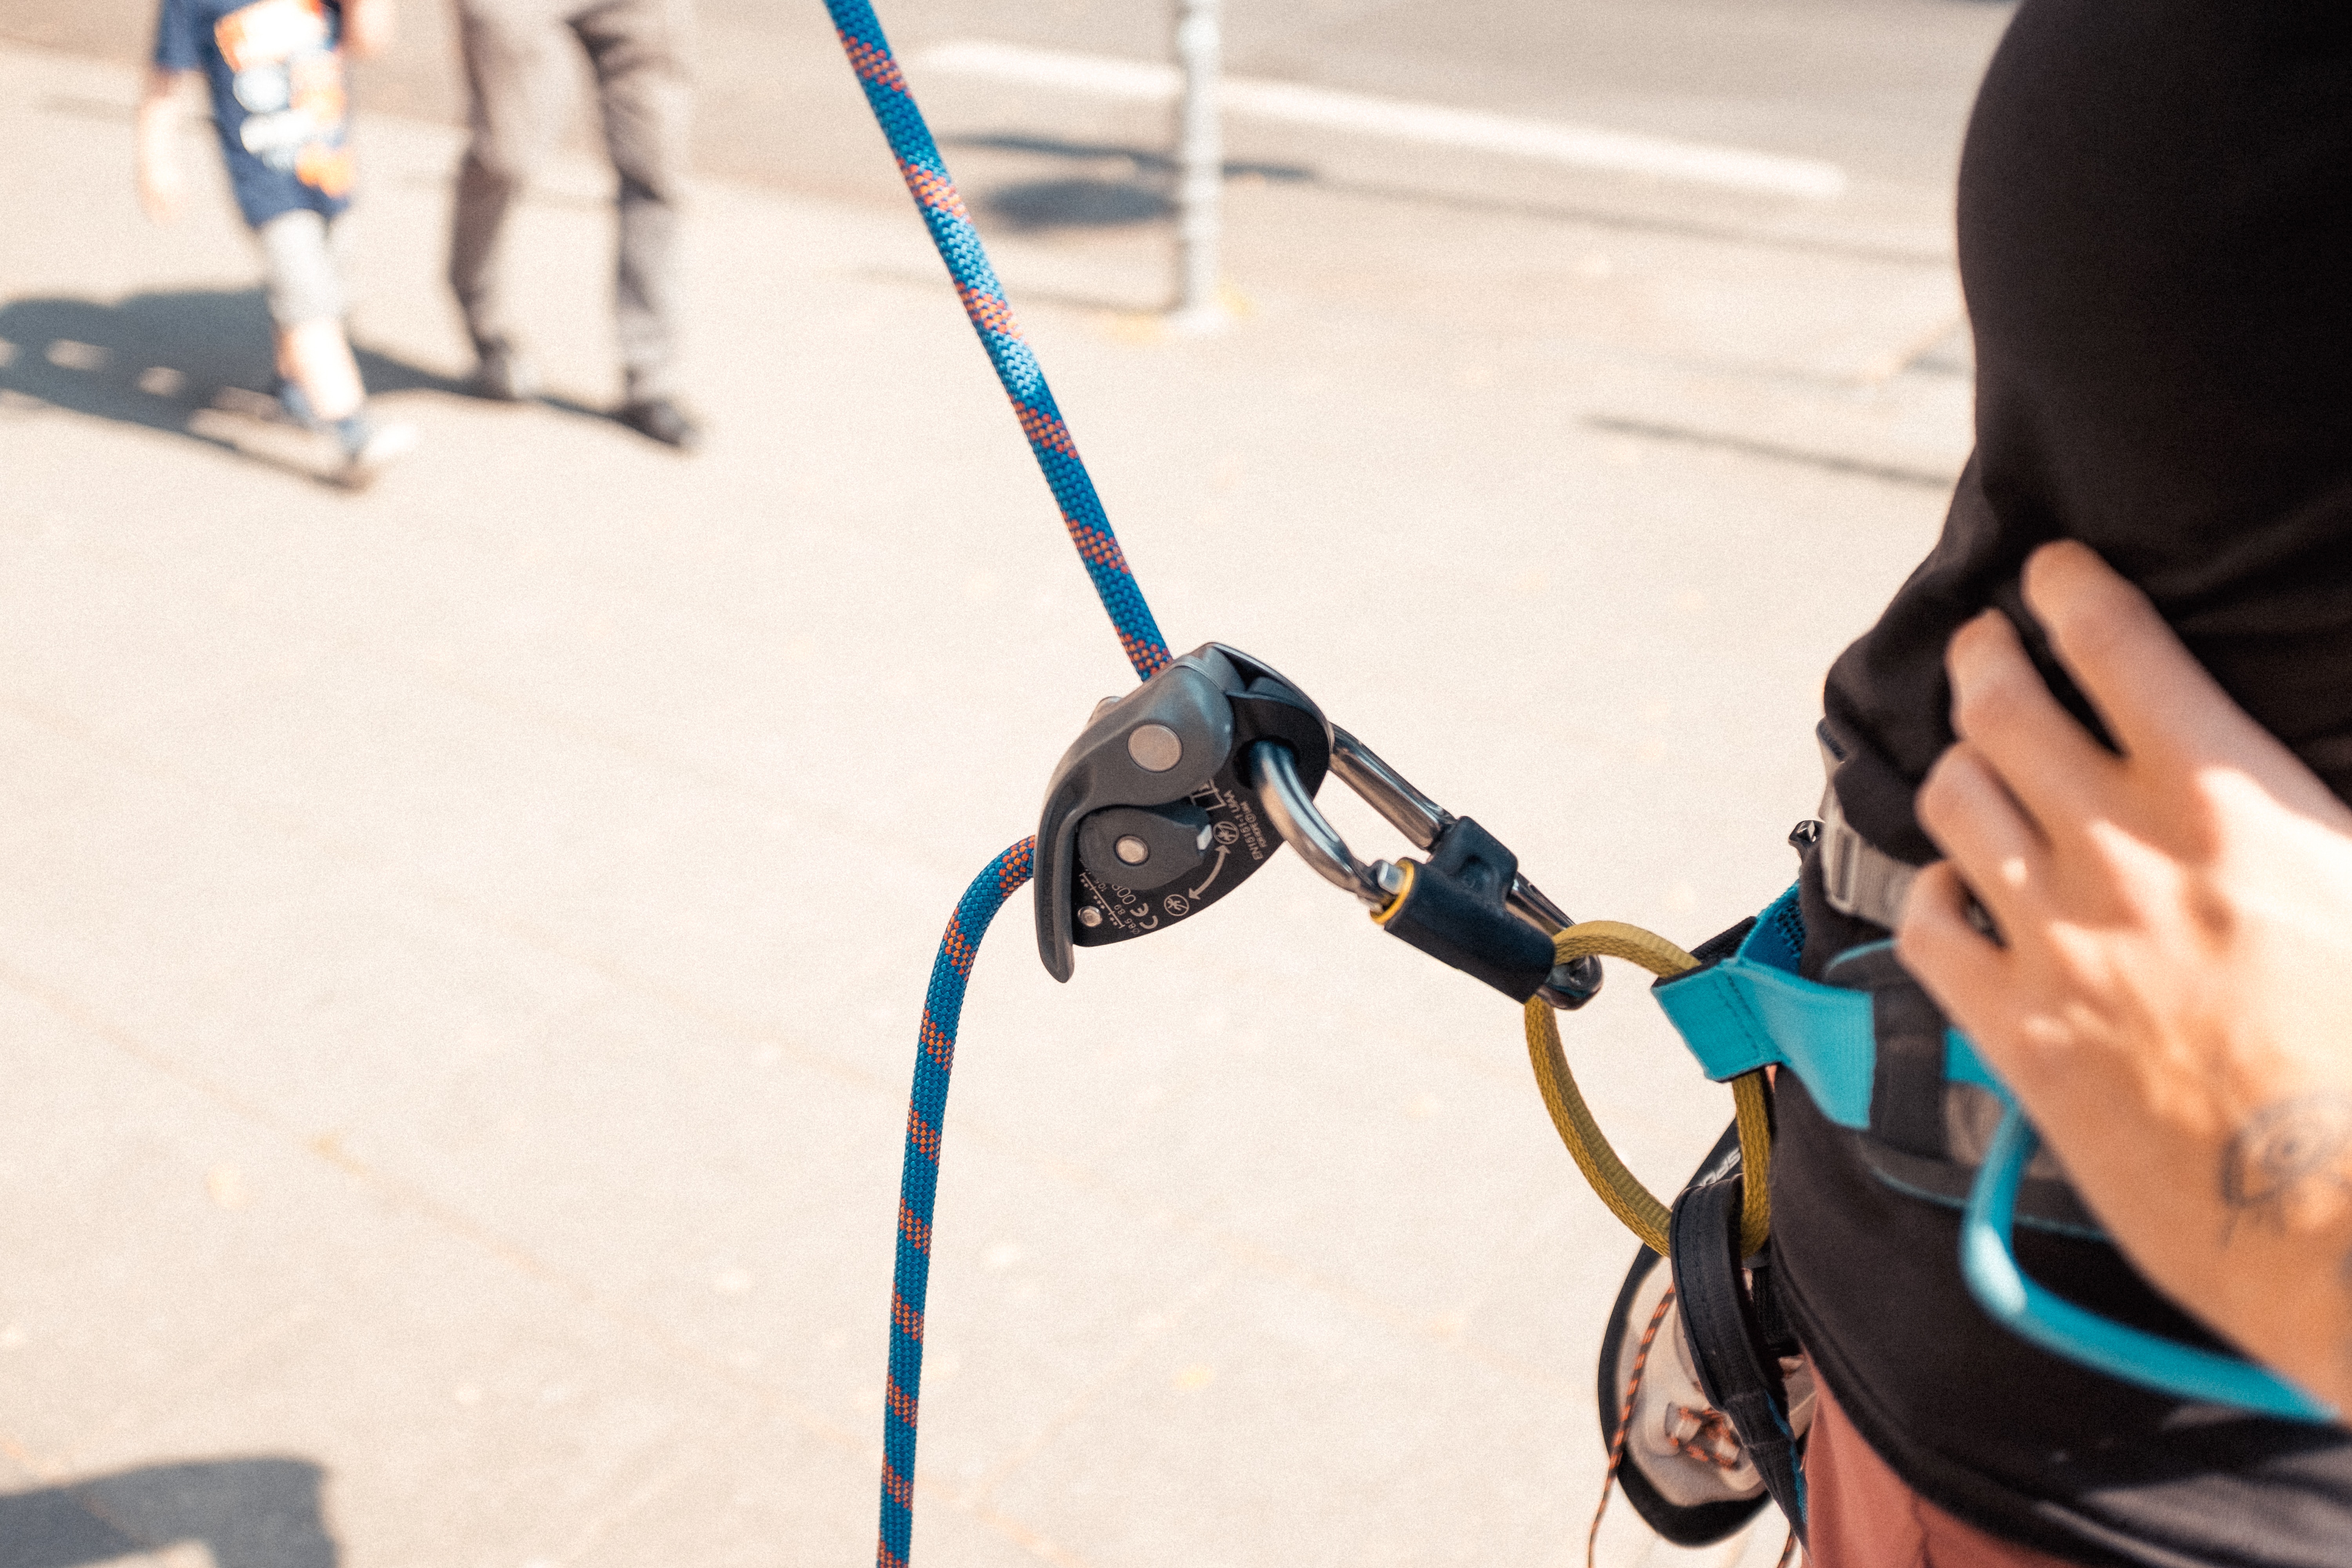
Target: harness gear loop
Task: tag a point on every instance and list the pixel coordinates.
(1634, 1205)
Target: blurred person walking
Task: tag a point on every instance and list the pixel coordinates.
(276, 75)
(517, 69)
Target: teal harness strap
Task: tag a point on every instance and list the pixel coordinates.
(2034, 1312)
(1753, 1009)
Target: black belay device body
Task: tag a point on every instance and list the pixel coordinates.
(1175, 793)
(1149, 818)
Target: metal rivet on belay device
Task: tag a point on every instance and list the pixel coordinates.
(1156, 748)
(1132, 850)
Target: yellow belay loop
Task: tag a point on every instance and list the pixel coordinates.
(1618, 1187)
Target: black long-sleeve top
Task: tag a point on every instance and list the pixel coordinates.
(2155, 242)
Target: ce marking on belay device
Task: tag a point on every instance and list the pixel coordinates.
(1175, 793)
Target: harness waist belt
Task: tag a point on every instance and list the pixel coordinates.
(1752, 1008)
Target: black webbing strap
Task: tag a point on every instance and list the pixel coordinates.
(1736, 1362)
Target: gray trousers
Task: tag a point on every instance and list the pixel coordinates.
(520, 69)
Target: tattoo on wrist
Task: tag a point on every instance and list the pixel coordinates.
(2287, 1152)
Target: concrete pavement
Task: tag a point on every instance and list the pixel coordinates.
(463, 943)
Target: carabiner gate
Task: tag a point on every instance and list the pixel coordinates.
(1467, 905)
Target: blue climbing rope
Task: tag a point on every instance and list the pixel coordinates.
(1139, 635)
(918, 1185)
(983, 300)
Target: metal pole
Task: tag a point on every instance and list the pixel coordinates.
(1200, 167)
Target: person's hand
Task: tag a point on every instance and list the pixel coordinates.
(161, 190)
(369, 27)
(163, 187)
(2170, 994)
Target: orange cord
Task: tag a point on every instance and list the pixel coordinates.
(1625, 1423)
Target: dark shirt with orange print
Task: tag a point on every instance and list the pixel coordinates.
(275, 70)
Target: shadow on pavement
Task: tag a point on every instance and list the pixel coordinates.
(196, 363)
(1136, 184)
(1035, 205)
(258, 1513)
(1139, 190)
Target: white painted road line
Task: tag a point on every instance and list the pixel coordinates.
(1576, 146)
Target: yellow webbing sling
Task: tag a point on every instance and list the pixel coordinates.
(1618, 1187)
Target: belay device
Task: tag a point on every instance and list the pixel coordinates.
(1176, 793)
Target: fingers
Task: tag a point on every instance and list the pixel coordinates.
(2154, 697)
(1960, 967)
(2002, 707)
(1993, 844)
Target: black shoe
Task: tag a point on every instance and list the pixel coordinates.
(659, 419)
(503, 375)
